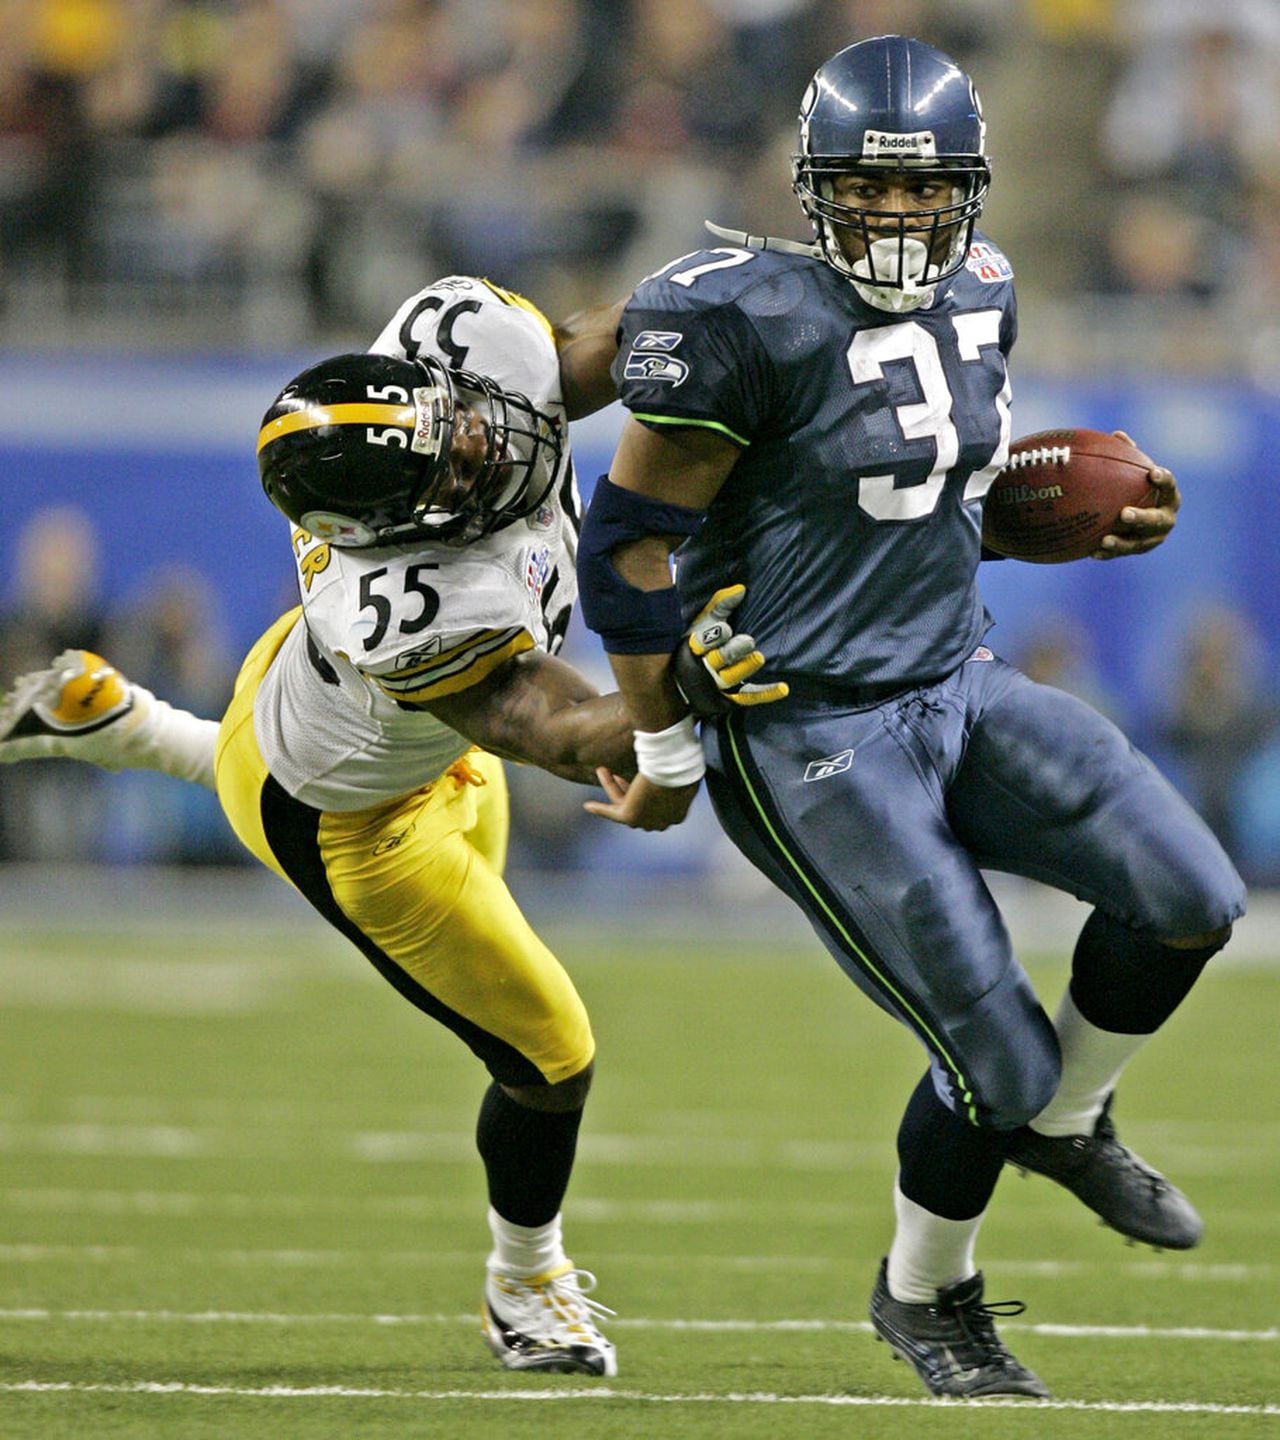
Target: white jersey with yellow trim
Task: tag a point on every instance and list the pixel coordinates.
(338, 715)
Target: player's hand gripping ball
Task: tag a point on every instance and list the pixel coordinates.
(1061, 492)
(711, 664)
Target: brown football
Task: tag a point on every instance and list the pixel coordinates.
(1060, 492)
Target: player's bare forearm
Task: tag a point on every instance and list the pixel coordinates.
(587, 343)
(648, 690)
(684, 466)
(540, 711)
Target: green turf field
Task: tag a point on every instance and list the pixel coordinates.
(238, 1198)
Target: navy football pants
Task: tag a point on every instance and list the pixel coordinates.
(876, 821)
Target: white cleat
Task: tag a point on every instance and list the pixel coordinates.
(547, 1322)
(80, 708)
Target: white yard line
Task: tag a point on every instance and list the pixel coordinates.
(841, 1327)
(605, 1394)
(36, 1253)
(232, 1138)
(586, 1210)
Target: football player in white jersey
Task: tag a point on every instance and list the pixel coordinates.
(434, 522)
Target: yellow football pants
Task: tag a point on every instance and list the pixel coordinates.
(416, 883)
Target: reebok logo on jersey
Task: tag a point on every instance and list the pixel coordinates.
(831, 765)
(919, 144)
(657, 340)
(665, 368)
(410, 658)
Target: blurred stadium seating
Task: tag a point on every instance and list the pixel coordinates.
(197, 196)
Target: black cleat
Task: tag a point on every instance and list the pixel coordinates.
(1112, 1181)
(953, 1344)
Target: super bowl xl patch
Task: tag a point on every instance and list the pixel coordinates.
(988, 264)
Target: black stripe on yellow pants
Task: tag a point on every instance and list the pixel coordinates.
(415, 883)
(292, 830)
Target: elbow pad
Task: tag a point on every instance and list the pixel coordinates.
(629, 621)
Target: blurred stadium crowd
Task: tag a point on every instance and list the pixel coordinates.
(273, 171)
(1216, 729)
(279, 174)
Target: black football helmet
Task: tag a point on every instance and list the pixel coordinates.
(377, 450)
(898, 104)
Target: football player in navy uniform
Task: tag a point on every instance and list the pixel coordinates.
(822, 421)
(433, 519)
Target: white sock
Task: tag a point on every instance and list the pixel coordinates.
(928, 1251)
(525, 1249)
(1092, 1061)
(163, 738)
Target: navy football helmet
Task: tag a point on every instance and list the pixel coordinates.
(897, 105)
(369, 449)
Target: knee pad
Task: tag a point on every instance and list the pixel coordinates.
(1009, 1055)
(1127, 981)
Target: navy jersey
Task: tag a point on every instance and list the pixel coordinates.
(854, 514)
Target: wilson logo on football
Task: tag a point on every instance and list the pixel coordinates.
(1020, 494)
(832, 765)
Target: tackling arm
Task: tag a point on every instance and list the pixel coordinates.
(536, 709)
(587, 343)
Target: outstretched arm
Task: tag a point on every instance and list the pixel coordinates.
(536, 709)
(539, 710)
(587, 342)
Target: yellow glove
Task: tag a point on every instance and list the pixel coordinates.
(711, 665)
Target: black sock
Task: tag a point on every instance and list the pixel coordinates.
(528, 1156)
(1130, 983)
(946, 1164)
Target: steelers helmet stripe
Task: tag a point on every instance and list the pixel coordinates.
(315, 417)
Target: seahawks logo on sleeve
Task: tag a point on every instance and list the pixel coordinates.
(650, 358)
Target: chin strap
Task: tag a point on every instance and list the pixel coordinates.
(765, 242)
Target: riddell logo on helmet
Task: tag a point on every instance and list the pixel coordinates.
(919, 143)
(430, 402)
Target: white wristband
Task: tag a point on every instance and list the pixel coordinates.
(671, 757)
